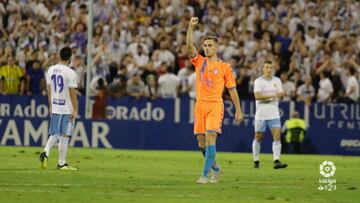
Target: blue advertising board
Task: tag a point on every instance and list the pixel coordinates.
(166, 124)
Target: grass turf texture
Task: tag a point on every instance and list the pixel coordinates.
(169, 176)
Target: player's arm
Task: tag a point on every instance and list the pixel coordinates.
(235, 99)
(49, 98)
(74, 101)
(260, 96)
(192, 52)
(73, 95)
(230, 84)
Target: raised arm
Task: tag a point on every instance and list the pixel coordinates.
(189, 37)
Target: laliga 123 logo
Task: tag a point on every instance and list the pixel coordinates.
(327, 169)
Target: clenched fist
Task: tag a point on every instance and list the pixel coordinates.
(194, 21)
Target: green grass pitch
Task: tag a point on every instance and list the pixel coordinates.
(169, 176)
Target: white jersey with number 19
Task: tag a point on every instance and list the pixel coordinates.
(61, 78)
(267, 109)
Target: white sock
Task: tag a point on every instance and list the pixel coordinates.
(276, 147)
(53, 139)
(256, 149)
(63, 146)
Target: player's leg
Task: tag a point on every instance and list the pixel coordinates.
(201, 143)
(260, 127)
(63, 147)
(199, 131)
(275, 127)
(67, 129)
(214, 112)
(210, 141)
(199, 127)
(53, 139)
(54, 131)
(202, 147)
(256, 145)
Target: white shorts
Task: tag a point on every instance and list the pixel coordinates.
(260, 125)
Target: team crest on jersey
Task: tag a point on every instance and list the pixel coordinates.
(275, 85)
(216, 71)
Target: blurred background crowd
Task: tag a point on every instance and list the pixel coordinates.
(139, 46)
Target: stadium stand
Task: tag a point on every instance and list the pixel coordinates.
(308, 40)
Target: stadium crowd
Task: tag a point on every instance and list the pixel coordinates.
(139, 46)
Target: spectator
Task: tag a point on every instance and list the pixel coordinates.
(306, 92)
(99, 106)
(135, 87)
(164, 54)
(12, 78)
(94, 85)
(183, 75)
(297, 79)
(288, 87)
(117, 47)
(326, 89)
(102, 61)
(297, 35)
(169, 84)
(117, 88)
(35, 80)
(56, 43)
(294, 129)
(352, 87)
(79, 67)
(151, 88)
(79, 37)
(243, 83)
(133, 47)
(191, 85)
(140, 59)
(312, 40)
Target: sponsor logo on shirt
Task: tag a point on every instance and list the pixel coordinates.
(60, 102)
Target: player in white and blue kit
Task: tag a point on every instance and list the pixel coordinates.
(63, 105)
(267, 90)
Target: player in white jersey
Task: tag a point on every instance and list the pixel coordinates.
(63, 105)
(267, 91)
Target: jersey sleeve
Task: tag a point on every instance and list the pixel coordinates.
(197, 61)
(229, 77)
(72, 80)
